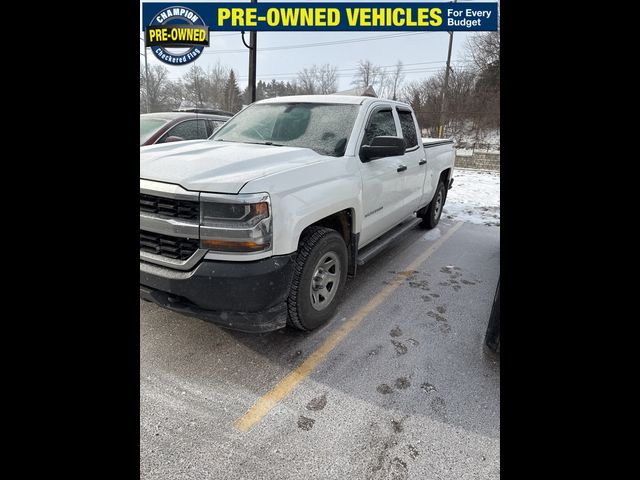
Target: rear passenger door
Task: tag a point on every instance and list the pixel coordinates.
(414, 159)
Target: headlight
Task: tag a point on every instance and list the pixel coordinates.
(238, 223)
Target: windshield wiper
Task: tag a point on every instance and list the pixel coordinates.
(266, 143)
(251, 143)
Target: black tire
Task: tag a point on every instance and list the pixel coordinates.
(433, 212)
(318, 244)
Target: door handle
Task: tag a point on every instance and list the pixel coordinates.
(422, 161)
(402, 168)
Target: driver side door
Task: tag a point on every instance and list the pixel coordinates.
(382, 185)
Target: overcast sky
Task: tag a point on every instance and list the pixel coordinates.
(421, 53)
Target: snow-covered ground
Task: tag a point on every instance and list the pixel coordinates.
(474, 198)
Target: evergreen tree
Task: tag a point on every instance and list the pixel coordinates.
(232, 94)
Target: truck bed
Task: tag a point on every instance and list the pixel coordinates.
(431, 142)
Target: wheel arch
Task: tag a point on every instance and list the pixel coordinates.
(343, 222)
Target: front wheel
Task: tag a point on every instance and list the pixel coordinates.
(432, 215)
(320, 273)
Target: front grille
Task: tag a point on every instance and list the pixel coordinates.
(167, 246)
(170, 207)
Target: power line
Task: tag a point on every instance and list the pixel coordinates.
(342, 72)
(350, 69)
(351, 74)
(294, 79)
(341, 75)
(310, 45)
(319, 44)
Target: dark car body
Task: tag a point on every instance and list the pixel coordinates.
(158, 127)
(492, 335)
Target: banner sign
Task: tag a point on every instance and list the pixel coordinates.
(186, 26)
(312, 16)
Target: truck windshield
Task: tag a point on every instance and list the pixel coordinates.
(324, 128)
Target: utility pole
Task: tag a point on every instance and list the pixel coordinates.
(253, 50)
(445, 87)
(146, 75)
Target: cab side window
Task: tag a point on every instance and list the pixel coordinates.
(408, 128)
(189, 130)
(381, 123)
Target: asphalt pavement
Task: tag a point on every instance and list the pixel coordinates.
(409, 393)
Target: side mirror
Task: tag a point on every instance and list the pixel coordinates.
(173, 138)
(383, 147)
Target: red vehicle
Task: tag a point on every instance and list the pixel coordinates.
(177, 126)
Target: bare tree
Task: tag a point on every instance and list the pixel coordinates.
(152, 89)
(321, 80)
(174, 94)
(395, 82)
(196, 84)
(471, 107)
(367, 74)
(327, 79)
(217, 80)
(388, 83)
(423, 97)
(473, 93)
(308, 81)
(483, 50)
(381, 83)
(483, 56)
(143, 90)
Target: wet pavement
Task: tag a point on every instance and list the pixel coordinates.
(409, 393)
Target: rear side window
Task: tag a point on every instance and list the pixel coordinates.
(380, 124)
(214, 125)
(408, 128)
(189, 130)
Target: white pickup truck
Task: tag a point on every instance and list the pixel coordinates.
(261, 225)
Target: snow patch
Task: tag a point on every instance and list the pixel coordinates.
(474, 198)
(432, 234)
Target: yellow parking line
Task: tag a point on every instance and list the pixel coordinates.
(291, 381)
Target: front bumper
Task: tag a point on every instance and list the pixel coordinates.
(245, 296)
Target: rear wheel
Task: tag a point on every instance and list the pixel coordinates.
(433, 212)
(320, 273)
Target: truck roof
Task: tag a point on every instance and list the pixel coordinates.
(344, 99)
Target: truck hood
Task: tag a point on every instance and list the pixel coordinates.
(218, 167)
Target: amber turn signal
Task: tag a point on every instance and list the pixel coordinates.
(231, 246)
